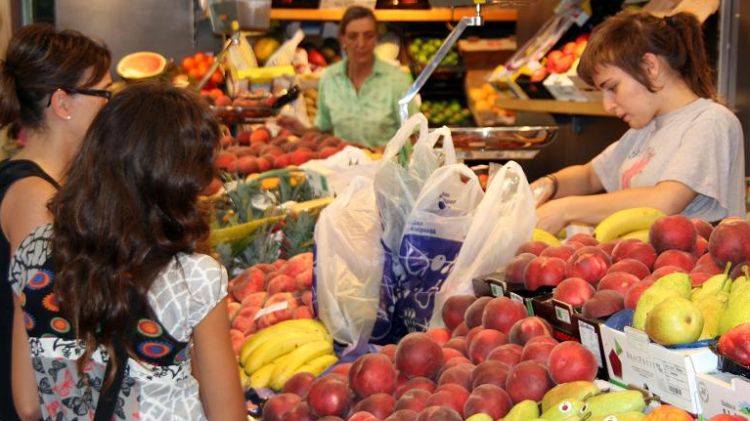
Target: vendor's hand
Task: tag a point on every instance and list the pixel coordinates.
(551, 216)
(542, 189)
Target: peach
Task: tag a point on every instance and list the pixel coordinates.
(706, 264)
(300, 412)
(698, 278)
(261, 134)
(537, 351)
(371, 374)
(299, 384)
(442, 413)
(608, 247)
(307, 298)
(247, 282)
(303, 312)
(418, 356)
(583, 238)
(509, 354)
(730, 243)
(255, 299)
(440, 335)
(224, 159)
(342, 369)
(725, 417)
(701, 246)
(415, 399)
(263, 164)
(451, 395)
(453, 362)
(247, 164)
(490, 372)
(679, 258)
(281, 283)
(570, 361)
(735, 344)
(634, 249)
(488, 399)
(470, 335)
(454, 309)
(459, 374)
(422, 383)
(589, 263)
(632, 266)
(329, 395)
(380, 405)
(450, 353)
(327, 151)
(233, 307)
(544, 271)
(363, 416)
(528, 380)
(562, 251)
(516, 267)
(275, 408)
(603, 304)
(617, 281)
(459, 344)
(403, 415)
(527, 328)
(533, 247)
(483, 342)
(460, 331)
(675, 232)
(304, 280)
(574, 291)
(702, 228)
(500, 313)
(474, 312)
(634, 293)
(243, 137)
(389, 350)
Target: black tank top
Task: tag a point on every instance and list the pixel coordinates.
(10, 172)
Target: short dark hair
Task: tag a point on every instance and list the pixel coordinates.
(623, 39)
(354, 13)
(39, 60)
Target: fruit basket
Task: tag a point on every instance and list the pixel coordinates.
(515, 142)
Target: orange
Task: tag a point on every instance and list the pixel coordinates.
(668, 413)
(188, 63)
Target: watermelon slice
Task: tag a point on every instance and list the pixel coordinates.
(141, 65)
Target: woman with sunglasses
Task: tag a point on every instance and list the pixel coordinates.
(52, 84)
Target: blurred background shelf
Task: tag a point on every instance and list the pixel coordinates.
(554, 107)
(491, 14)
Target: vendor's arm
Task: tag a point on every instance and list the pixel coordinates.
(670, 197)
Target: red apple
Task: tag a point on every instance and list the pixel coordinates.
(674, 232)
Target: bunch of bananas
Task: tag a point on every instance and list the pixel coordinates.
(275, 354)
(627, 223)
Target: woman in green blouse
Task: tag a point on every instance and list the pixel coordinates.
(358, 96)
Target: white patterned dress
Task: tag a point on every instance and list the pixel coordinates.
(158, 386)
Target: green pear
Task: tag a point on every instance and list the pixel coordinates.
(668, 286)
(674, 321)
(580, 389)
(480, 417)
(565, 410)
(622, 416)
(738, 307)
(524, 410)
(614, 403)
(712, 302)
(713, 285)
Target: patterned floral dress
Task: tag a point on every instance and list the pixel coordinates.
(158, 385)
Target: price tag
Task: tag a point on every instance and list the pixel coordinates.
(590, 340)
(497, 290)
(514, 296)
(562, 314)
(272, 308)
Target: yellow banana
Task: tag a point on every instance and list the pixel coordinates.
(638, 235)
(262, 377)
(318, 365)
(244, 380)
(297, 358)
(274, 348)
(271, 332)
(625, 221)
(545, 237)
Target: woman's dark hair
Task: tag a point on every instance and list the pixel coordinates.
(354, 13)
(39, 60)
(129, 205)
(623, 39)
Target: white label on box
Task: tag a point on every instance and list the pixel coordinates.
(562, 314)
(669, 380)
(497, 290)
(590, 340)
(514, 296)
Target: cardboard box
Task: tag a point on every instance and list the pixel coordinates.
(632, 359)
(570, 325)
(724, 393)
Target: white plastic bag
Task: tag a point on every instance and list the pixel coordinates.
(433, 235)
(396, 189)
(349, 263)
(503, 220)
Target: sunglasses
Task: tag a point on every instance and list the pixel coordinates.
(101, 93)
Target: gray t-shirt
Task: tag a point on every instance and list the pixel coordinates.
(699, 145)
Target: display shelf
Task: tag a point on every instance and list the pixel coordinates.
(554, 107)
(490, 14)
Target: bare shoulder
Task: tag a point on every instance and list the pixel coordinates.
(24, 208)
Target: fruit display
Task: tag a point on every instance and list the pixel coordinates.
(423, 49)
(483, 101)
(257, 151)
(446, 112)
(561, 60)
(197, 65)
